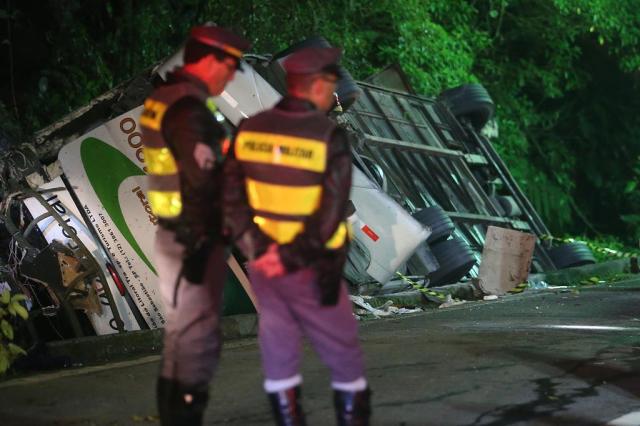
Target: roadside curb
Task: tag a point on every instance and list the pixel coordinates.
(467, 291)
(96, 349)
(579, 273)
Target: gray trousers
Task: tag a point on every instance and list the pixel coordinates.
(290, 308)
(192, 339)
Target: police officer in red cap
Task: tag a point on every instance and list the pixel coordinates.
(183, 147)
(288, 178)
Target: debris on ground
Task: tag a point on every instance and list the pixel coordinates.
(450, 301)
(438, 297)
(387, 309)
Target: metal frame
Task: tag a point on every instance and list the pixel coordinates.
(427, 155)
(90, 264)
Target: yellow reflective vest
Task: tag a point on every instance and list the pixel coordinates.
(284, 156)
(164, 191)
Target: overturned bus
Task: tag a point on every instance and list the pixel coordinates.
(426, 185)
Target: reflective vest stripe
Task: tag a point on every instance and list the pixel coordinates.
(164, 193)
(284, 231)
(339, 237)
(281, 231)
(281, 150)
(165, 204)
(160, 161)
(152, 114)
(283, 199)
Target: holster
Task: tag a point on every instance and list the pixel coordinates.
(329, 276)
(194, 263)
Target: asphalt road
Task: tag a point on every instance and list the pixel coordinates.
(547, 358)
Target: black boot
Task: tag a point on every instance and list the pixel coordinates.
(352, 408)
(286, 407)
(180, 405)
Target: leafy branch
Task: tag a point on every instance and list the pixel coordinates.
(11, 310)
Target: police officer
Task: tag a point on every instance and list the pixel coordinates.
(183, 147)
(287, 185)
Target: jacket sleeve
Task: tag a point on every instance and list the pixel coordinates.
(239, 227)
(309, 245)
(187, 124)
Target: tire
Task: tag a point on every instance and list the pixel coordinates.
(441, 225)
(509, 205)
(347, 89)
(571, 254)
(456, 260)
(358, 260)
(423, 261)
(470, 101)
(375, 170)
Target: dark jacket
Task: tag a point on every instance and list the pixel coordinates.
(195, 138)
(308, 248)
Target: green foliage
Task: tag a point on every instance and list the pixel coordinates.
(613, 23)
(562, 72)
(11, 310)
(610, 248)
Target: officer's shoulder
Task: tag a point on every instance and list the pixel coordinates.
(187, 106)
(255, 118)
(340, 138)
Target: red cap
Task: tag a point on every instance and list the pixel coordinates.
(313, 60)
(222, 39)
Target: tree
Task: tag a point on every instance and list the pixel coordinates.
(564, 74)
